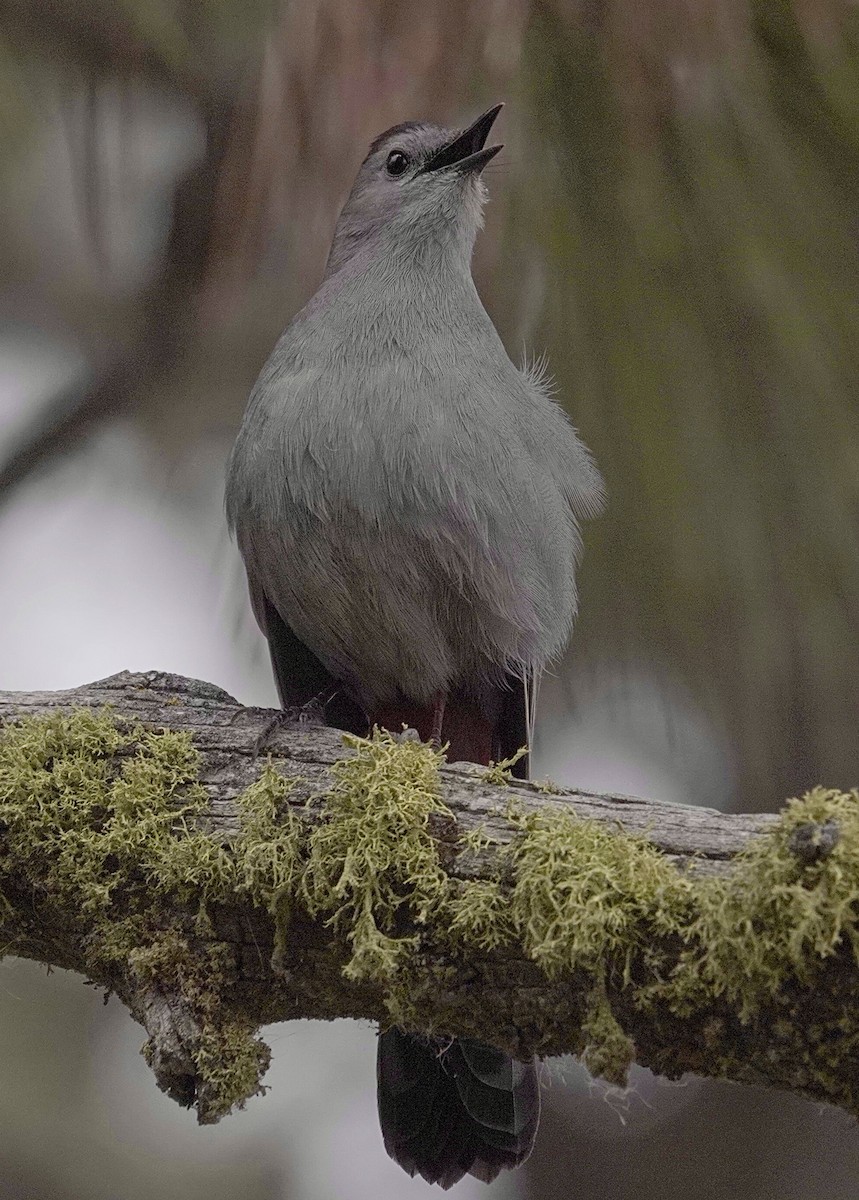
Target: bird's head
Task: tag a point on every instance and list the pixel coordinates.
(418, 191)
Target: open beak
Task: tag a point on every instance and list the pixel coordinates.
(466, 153)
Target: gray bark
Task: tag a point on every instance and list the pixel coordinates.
(499, 996)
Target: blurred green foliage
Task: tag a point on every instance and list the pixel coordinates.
(703, 314)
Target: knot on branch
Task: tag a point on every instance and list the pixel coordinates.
(174, 1040)
(811, 842)
(214, 1066)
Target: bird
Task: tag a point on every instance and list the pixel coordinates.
(407, 502)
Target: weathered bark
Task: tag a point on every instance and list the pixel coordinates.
(233, 737)
(803, 1038)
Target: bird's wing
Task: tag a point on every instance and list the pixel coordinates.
(302, 681)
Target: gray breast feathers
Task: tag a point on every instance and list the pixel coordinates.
(416, 533)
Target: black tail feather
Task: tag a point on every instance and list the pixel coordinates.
(447, 1109)
(452, 1109)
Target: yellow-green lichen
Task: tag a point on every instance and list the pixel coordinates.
(547, 786)
(229, 1059)
(584, 896)
(780, 912)
(476, 840)
(608, 1051)
(88, 806)
(230, 1062)
(501, 773)
(478, 909)
(268, 851)
(104, 824)
(480, 915)
(373, 855)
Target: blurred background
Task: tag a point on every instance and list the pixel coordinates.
(674, 222)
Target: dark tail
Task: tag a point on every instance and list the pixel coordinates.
(447, 1109)
(454, 1109)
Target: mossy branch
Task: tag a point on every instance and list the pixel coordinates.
(222, 867)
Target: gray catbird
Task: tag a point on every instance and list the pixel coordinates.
(406, 501)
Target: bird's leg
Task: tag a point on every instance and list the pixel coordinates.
(438, 705)
(313, 712)
(280, 718)
(425, 719)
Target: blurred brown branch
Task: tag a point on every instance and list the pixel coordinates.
(102, 43)
(799, 1038)
(100, 40)
(169, 308)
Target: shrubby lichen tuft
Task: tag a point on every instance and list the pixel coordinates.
(501, 773)
(231, 1060)
(778, 914)
(102, 820)
(587, 898)
(608, 1051)
(373, 854)
(89, 805)
(104, 823)
(480, 915)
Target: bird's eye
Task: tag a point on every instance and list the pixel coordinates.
(397, 162)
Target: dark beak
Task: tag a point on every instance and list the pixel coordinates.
(466, 153)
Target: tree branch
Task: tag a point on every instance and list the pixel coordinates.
(272, 873)
(169, 317)
(99, 38)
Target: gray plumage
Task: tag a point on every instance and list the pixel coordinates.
(406, 501)
(405, 496)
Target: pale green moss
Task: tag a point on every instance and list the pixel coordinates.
(478, 909)
(373, 853)
(104, 825)
(779, 913)
(82, 822)
(269, 850)
(501, 773)
(229, 1058)
(608, 1051)
(230, 1061)
(584, 897)
(102, 821)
